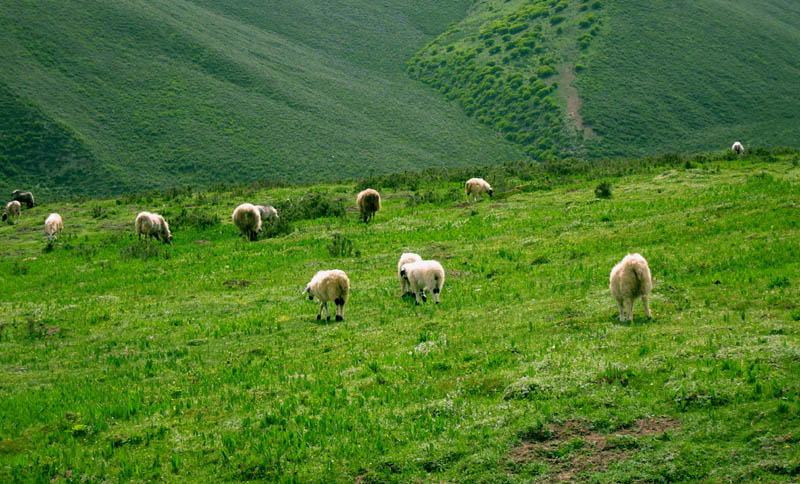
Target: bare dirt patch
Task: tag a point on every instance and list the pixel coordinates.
(574, 448)
(574, 103)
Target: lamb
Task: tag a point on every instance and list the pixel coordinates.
(153, 225)
(53, 226)
(738, 148)
(406, 258)
(329, 286)
(477, 187)
(369, 202)
(427, 274)
(629, 280)
(247, 218)
(24, 197)
(12, 210)
(268, 213)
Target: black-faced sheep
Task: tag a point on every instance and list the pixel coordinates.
(247, 218)
(369, 202)
(329, 286)
(406, 258)
(737, 148)
(53, 226)
(424, 275)
(23, 197)
(11, 211)
(153, 225)
(268, 213)
(629, 280)
(477, 187)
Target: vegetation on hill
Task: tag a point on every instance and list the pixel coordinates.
(163, 94)
(201, 361)
(619, 78)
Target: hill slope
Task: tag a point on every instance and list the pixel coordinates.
(202, 362)
(623, 78)
(165, 93)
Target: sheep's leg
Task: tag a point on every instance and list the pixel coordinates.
(646, 303)
(424, 297)
(327, 314)
(339, 309)
(436, 295)
(319, 314)
(416, 296)
(621, 310)
(629, 309)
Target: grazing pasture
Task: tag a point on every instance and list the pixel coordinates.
(128, 361)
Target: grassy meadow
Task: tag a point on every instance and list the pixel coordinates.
(123, 361)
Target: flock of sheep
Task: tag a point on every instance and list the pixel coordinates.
(629, 280)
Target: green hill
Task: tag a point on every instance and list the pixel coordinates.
(201, 362)
(621, 78)
(159, 94)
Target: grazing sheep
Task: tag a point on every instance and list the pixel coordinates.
(369, 202)
(631, 279)
(738, 148)
(329, 286)
(24, 197)
(53, 226)
(247, 218)
(427, 274)
(153, 225)
(477, 187)
(12, 210)
(406, 258)
(268, 213)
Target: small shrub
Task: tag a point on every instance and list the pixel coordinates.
(276, 229)
(98, 212)
(603, 190)
(195, 218)
(778, 282)
(310, 206)
(340, 246)
(144, 252)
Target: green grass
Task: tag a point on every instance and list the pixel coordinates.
(127, 362)
(201, 92)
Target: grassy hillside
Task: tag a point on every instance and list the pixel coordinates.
(620, 78)
(201, 362)
(165, 93)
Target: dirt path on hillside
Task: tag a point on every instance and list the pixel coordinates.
(574, 103)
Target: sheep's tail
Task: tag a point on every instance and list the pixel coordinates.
(344, 289)
(641, 278)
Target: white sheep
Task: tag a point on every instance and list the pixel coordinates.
(329, 286)
(12, 210)
(406, 258)
(477, 187)
(629, 280)
(268, 213)
(369, 202)
(247, 218)
(737, 148)
(424, 275)
(53, 226)
(153, 225)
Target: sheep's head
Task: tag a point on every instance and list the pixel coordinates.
(404, 273)
(5, 216)
(491, 192)
(307, 290)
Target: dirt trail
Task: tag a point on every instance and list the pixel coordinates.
(574, 103)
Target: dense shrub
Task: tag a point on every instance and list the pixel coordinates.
(195, 218)
(310, 206)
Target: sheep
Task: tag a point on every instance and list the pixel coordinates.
(369, 202)
(12, 210)
(53, 226)
(268, 213)
(631, 279)
(247, 218)
(406, 258)
(24, 197)
(153, 225)
(329, 286)
(737, 148)
(477, 187)
(427, 274)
